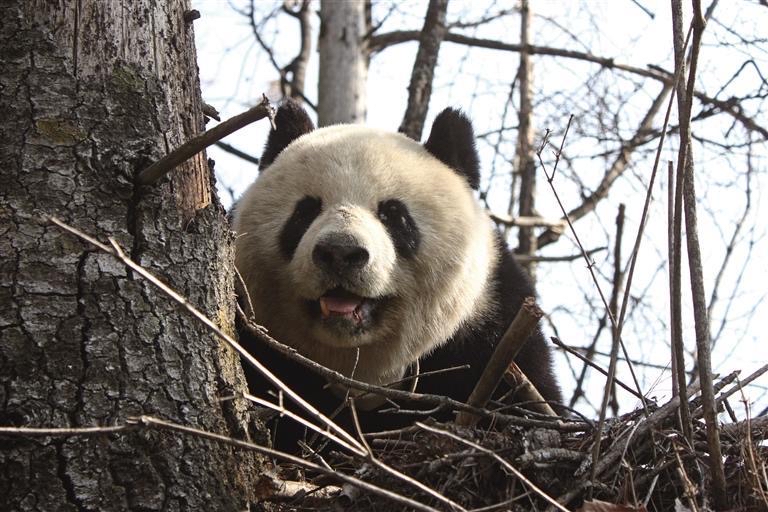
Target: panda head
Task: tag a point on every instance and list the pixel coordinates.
(364, 249)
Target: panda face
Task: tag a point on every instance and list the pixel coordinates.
(362, 250)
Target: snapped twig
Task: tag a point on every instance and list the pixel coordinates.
(514, 339)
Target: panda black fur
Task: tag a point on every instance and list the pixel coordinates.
(367, 251)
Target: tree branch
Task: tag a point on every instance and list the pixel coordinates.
(381, 41)
(420, 87)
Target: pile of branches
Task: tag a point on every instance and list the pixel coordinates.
(644, 462)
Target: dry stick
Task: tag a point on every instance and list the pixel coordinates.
(701, 322)
(689, 490)
(754, 375)
(639, 237)
(522, 258)
(674, 215)
(510, 344)
(618, 278)
(190, 148)
(501, 461)
(526, 392)
(117, 253)
(52, 432)
(758, 483)
(676, 349)
(527, 221)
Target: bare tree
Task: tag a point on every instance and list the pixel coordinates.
(343, 51)
(91, 93)
(524, 153)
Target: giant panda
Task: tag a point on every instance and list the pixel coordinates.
(368, 252)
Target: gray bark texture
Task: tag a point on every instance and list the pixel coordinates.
(344, 56)
(91, 92)
(420, 87)
(524, 154)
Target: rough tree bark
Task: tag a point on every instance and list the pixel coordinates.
(420, 87)
(524, 157)
(344, 56)
(90, 93)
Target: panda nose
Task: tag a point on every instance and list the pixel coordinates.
(339, 256)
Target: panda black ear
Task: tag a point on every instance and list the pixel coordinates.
(452, 141)
(291, 122)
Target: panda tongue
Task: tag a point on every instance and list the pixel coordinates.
(338, 305)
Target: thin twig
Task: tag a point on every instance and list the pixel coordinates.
(618, 281)
(65, 432)
(594, 365)
(744, 382)
(525, 392)
(295, 417)
(193, 146)
(522, 258)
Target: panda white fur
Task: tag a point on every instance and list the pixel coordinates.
(367, 251)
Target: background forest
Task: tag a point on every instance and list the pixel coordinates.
(520, 75)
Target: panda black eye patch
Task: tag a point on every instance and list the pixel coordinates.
(401, 227)
(306, 211)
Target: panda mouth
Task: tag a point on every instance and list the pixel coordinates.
(341, 306)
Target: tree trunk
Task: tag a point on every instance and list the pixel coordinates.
(524, 157)
(90, 93)
(344, 57)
